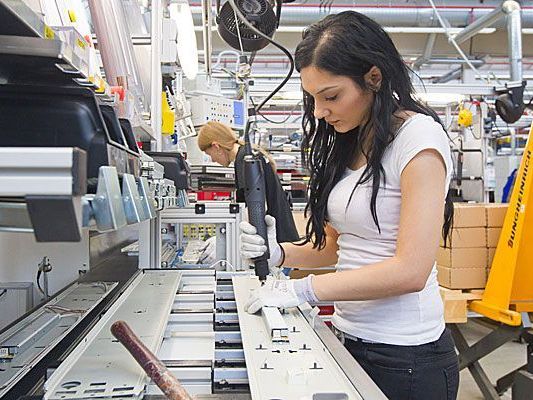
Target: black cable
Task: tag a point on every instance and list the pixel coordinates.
(3, 292)
(39, 281)
(266, 37)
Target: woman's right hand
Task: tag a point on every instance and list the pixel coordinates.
(253, 245)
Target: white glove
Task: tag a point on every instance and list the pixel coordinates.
(253, 245)
(209, 251)
(281, 293)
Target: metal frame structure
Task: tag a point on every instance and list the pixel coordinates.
(101, 366)
(224, 215)
(27, 342)
(469, 356)
(199, 329)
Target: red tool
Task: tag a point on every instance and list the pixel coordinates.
(155, 369)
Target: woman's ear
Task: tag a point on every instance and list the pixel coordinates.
(373, 79)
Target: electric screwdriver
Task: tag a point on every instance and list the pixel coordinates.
(254, 197)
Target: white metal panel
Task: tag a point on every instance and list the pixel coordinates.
(301, 368)
(87, 370)
(35, 171)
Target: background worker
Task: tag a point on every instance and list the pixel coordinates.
(221, 143)
(380, 168)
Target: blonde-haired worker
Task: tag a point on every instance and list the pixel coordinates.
(224, 147)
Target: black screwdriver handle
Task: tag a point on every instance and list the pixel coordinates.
(255, 201)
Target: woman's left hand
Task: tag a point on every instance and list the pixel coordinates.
(281, 293)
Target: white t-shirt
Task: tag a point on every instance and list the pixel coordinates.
(409, 319)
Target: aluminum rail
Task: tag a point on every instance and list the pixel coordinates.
(101, 366)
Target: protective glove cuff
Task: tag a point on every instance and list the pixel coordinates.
(304, 289)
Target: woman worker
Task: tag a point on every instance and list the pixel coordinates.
(380, 171)
(223, 146)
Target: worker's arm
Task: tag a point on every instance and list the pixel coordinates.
(307, 257)
(253, 245)
(421, 218)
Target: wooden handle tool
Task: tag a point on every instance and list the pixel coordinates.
(155, 369)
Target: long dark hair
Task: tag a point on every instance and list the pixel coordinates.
(350, 44)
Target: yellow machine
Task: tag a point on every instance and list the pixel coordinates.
(509, 289)
(508, 296)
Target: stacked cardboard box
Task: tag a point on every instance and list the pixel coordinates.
(466, 260)
(495, 215)
(462, 264)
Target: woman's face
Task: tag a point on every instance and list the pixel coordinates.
(340, 101)
(218, 154)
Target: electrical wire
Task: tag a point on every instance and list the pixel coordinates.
(238, 29)
(64, 311)
(232, 268)
(454, 43)
(270, 40)
(3, 292)
(272, 121)
(38, 279)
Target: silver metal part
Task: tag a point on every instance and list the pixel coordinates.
(29, 341)
(101, 366)
(302, 368)
(107, 204)
(147, 199)
(133, 208)
(483, 22)
(276, 326)
(35, 171)
(514, 34)
(226, 222)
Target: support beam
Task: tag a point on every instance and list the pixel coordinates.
(483, 22)
(514, 32)
(206, 33)
(475, 61)
(430, 43)
(453, 74)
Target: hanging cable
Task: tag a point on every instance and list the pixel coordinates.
(273, 42)
(454, 43)
(272, 121)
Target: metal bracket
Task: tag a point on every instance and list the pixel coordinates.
(107, 205)
(147, 200)
(132, 201)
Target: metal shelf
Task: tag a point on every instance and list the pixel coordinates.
(144, 131)
(19, 20)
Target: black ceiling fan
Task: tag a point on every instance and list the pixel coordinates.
(260, 13)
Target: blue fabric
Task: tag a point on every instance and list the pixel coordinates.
(508, 188)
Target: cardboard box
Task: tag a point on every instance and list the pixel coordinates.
(493, 235)
(495, 214)
(474, 257)
(490, 256)
(468, 215)
(462, 278)
(466, 237)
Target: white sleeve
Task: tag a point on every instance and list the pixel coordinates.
(421, 134)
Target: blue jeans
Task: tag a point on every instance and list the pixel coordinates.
(425, 372)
